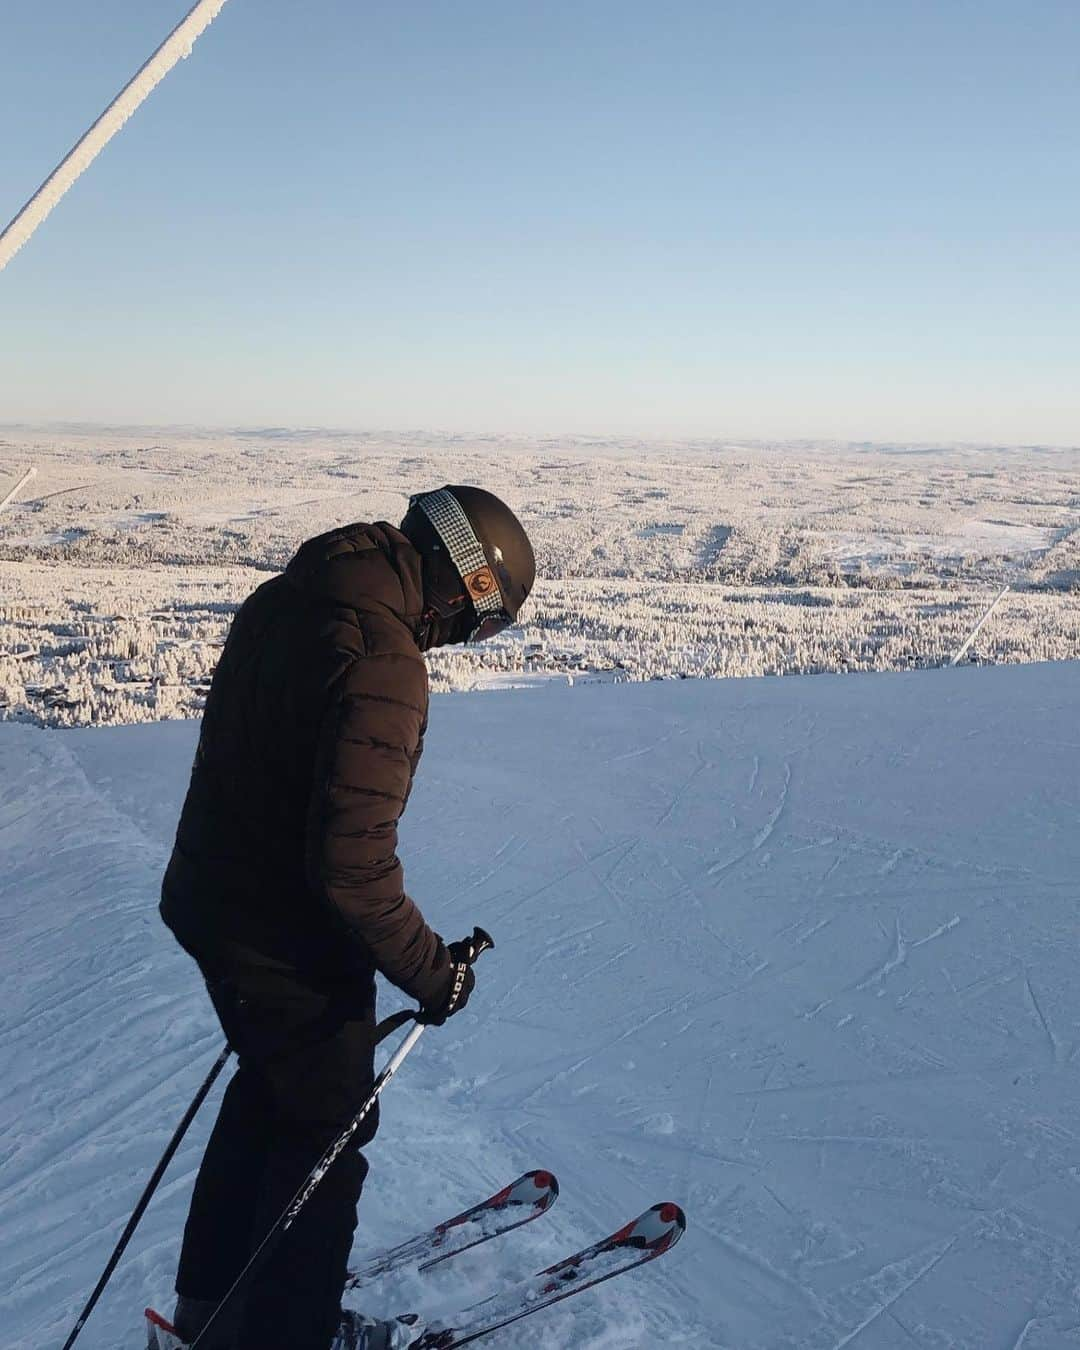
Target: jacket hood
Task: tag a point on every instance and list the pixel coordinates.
(362, 567)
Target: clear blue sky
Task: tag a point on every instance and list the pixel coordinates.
(789, 217)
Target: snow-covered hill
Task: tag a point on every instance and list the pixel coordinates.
(799, 954)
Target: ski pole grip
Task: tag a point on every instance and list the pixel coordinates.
(476, 945)
(473, 947)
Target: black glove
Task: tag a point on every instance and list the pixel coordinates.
(460, 984)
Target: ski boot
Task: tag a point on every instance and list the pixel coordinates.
(191, 1315)
(161, 1335)
(356, 1332)
(359, 1332)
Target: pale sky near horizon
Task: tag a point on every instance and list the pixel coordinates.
(786, 219)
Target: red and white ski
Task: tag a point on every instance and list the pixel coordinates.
(519, 1203)
(649, 1236)
(515, 1205)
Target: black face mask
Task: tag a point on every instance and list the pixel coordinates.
(437, 631)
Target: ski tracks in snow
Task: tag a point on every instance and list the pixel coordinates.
(761, 837)
(97, 1036)
(790, 980)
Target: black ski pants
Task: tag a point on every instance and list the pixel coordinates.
(306, 1053)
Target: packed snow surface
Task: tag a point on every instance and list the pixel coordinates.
(799, 954)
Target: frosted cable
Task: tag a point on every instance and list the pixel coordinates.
(18, 487)
(975, 631)
(175, 47)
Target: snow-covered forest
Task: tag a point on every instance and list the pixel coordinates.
(123, 554)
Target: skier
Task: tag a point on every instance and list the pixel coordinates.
(285, 886)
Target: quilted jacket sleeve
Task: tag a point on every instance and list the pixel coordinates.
(370, 742)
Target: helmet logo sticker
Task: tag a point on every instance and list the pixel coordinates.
(480, 583)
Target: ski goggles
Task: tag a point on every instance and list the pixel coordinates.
(458, 537)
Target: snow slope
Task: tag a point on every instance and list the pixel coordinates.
(796, 953)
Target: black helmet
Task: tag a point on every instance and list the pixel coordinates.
(468, 537)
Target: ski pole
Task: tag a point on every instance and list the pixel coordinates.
(479, 942)
(144, 1199)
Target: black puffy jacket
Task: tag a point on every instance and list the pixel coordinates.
(287, 843)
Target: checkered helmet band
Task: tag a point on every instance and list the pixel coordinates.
(452, 526)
